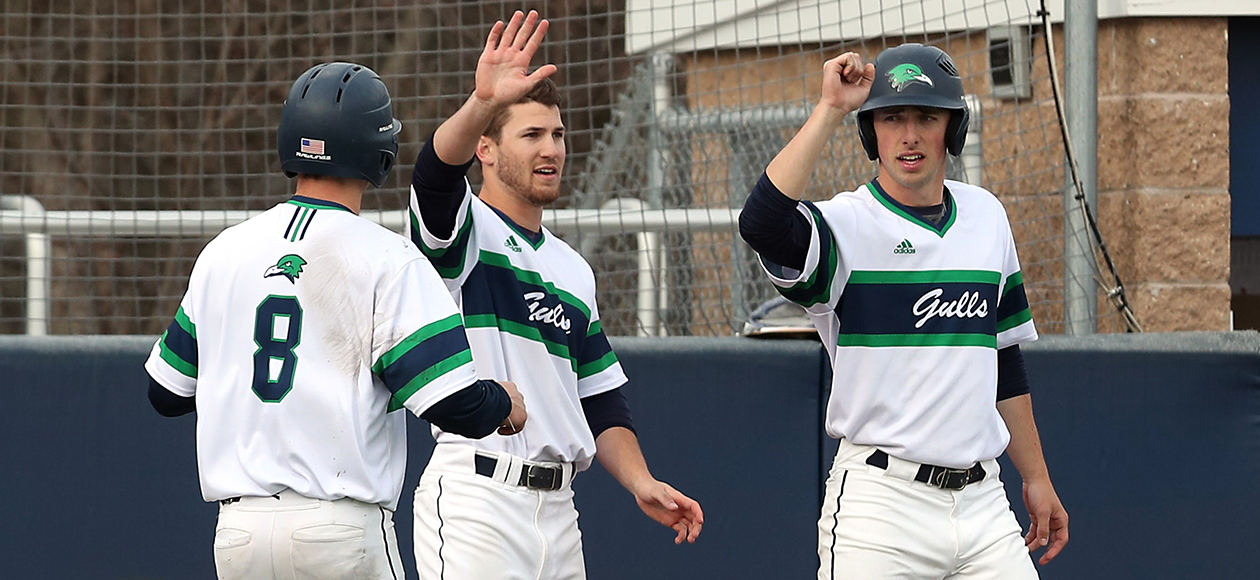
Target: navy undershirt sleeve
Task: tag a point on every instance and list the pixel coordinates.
(773, 227)
(169, 404)
(474, 411)
(1012, 377)
(607, 409)
(439, 189)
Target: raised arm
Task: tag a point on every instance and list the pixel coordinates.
(846, 84)
(503, 77)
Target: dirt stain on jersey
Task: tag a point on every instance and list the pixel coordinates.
(333, 285)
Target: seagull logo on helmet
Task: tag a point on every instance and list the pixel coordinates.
(289, 266)
(905, 74)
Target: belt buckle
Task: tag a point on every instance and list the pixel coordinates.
(951, 479)
(542, 477)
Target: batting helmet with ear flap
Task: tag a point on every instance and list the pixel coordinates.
(915, 75)
(338, 121)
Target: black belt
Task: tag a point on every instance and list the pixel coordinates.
(935, 475)
(533, 476)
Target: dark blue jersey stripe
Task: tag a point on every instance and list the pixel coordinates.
(495, 294)
(596, 353)
(423, 356)
(919, 308)
(1014, 300)
(180, 343)
(595, 347)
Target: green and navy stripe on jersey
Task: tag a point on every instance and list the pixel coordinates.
(1013, 310)
(427, 354)
(949, 308)
(547, 314)
(500, 286)
(178, 345)
(912, 314)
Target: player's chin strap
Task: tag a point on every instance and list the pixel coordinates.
(1115, 292)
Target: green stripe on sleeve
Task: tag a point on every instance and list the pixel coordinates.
(426, 332)
(185, 323)
(430, 374)
(817, 288)
(449, 260)
(1014, 320)
(1012, 281)
(597, 366)
(184, 367)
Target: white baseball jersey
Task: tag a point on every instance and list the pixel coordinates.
(529, 309)
(912, 315)
(302, 331)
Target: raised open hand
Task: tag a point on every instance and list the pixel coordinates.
(503, 74)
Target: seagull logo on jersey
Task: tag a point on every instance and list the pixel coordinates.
(930, 305)
(904, 74)
(289, 266)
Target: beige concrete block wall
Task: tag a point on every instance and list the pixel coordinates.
(1163, 159)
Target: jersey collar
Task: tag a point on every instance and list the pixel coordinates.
(535, 239)
(947, 220)
(303, 201)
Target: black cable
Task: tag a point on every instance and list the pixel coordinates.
(1115, 294)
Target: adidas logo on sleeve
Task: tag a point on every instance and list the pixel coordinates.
(905, 247)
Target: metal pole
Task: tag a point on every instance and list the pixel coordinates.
(972, 156)
(1080, 50)
(651, 258)
(28, 211)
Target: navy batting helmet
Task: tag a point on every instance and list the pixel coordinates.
(915, 75)
(338, 121)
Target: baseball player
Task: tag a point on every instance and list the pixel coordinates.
(502, 507)
(914, 286)
(303, 331)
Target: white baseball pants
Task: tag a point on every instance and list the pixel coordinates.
(470, 527)
(292, 537)
(880, 523)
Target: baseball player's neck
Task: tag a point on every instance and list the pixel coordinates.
(339, 190)
(911, 190)
(513, 204)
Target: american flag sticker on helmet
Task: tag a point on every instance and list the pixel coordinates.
(312, 146)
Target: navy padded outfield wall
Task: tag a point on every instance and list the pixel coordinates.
(1153, 442)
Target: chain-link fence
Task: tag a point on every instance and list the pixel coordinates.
(132, 130)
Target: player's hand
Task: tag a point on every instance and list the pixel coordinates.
(846, 82)
(671, 508)
(503, 70)
(515, 421)
(1049, 521)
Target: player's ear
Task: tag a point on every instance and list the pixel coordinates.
(485, 150)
